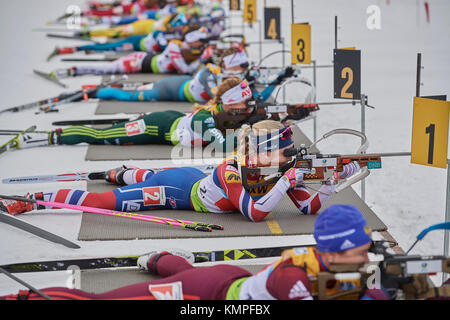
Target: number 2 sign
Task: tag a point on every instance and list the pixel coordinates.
(430, 132)
(347, 74)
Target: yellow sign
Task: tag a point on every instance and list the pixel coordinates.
(300, 43)
(250, 11)
(430, 132)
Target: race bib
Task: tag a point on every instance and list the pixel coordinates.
(135, 128)
(167, 291)
(154, 196)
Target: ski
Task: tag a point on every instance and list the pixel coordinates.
(82, 94)
(88, 122)
(15, 132)
(98, 40)
(39, 103)
(9, 219)
(89, 59)
(13, 142)
(65, 97)
(51, 77)
(85, 176)
(73, 36)
(131, 261)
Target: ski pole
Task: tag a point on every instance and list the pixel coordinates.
(193, 225)
(25, 284)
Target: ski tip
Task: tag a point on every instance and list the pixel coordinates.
(52, 54)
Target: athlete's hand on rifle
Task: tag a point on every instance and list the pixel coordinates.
(288, 72)
(294, 177)
(349, 169)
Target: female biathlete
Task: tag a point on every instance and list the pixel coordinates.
(197, 88)
(166, 127)
(190, 189)
(154, 42)
(178, 57)
(341, 235)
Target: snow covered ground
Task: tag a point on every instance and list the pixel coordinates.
(407, 197)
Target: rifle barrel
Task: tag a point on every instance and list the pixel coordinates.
(386, 154)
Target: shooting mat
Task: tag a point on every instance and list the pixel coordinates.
(285, 219)
(160, 152)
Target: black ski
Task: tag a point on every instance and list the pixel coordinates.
(40, 103)
(131, 261)
(9, 219)
(88, 122)
(78, 96)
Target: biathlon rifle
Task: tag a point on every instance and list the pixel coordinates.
(264, 111)
(401, 276)
(322, 168)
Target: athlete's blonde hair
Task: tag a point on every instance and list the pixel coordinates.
(264, 127)
(219, 91)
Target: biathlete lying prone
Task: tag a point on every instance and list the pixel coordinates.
(342, 237)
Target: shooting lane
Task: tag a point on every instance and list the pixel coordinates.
(284, 220)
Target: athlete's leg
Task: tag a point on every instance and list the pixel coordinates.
(168, 189)
(150, 129)
(130, 43)
(167, 89)
(128, 64)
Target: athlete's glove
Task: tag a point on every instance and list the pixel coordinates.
(288, 72)
(294, 177)
(349, 169)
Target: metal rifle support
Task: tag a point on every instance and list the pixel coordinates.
(335, 32)
(314, 100)
(260, 39)
(447, 218)
(419, 67)
(363, 130)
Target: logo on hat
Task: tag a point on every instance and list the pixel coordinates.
(347, 244)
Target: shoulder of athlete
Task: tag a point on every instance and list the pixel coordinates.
(289, 282)
(228, 170)
(205, 117)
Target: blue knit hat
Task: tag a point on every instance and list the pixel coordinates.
(339, 228)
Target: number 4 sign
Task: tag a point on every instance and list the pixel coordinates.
(430, 132)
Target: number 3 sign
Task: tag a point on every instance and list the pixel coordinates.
(301, 43)
(430, 132)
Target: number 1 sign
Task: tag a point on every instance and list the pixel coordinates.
(430, 132)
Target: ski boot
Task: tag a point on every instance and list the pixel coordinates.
(37, 139)
(15, 207)
(148, 261)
